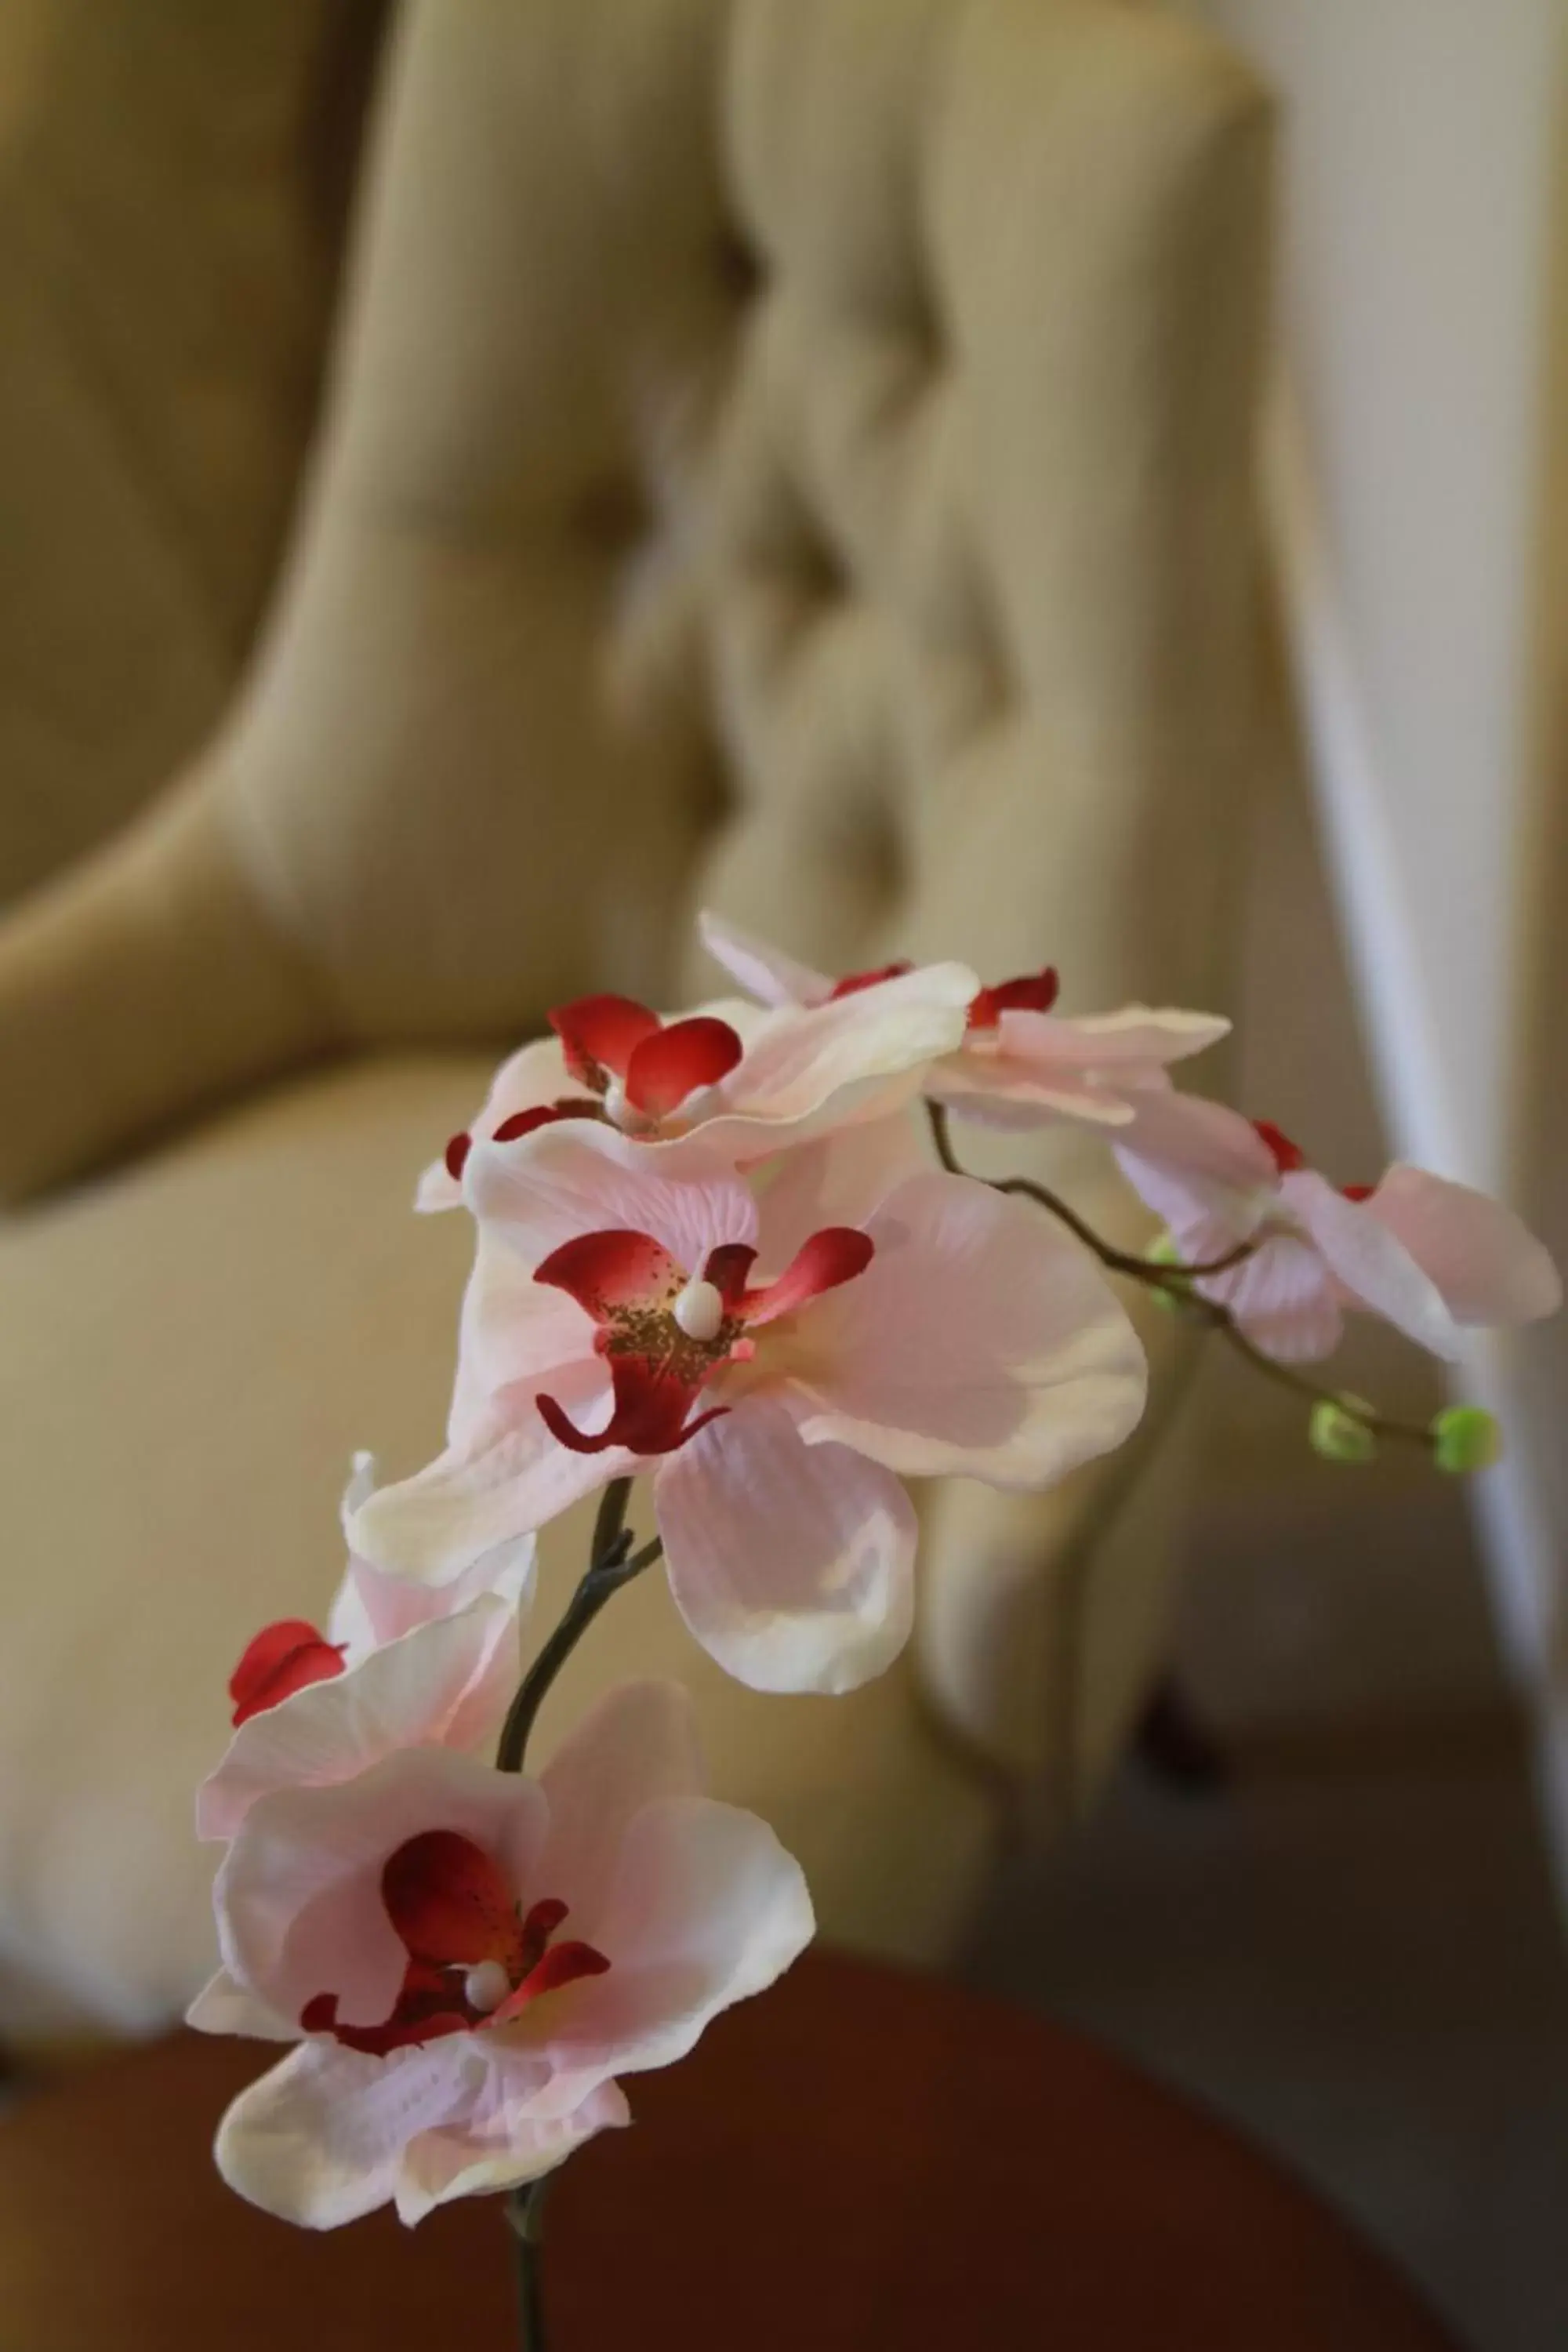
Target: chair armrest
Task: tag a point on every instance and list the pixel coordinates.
(141, 986)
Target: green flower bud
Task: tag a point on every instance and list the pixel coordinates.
(1163, 1251)
(1338, 1435)
(1466, 1437)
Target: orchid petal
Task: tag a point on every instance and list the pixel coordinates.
(499, 2145)
(808, 1074)
(638, 1744)
(799, 1060)
(1487, 1264)
(1372, 1263)
(533, 1078)
(223, 2006)
(1000, 1089)
(980, 1342)
(1203, 1169)
(705, 1909)
(1109, 1041)
(791, 1566)
(837, 1180)
(374, 1607)
(765, 972)
(513, 1332)
(470, 1498)
(1281, 1297)
(320, 2139)
(447, 1683)
(575, 1179)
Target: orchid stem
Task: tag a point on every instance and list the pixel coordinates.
(1407, 1432)
(525, 2217)
(1177, 1281)
(1155, 1272)
(611, 1563)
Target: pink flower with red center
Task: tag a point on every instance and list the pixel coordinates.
(779, 1367)
(474, 1959)
(1018, 1063)
(1429, 1256)
(399, 1665)
(739, 1084)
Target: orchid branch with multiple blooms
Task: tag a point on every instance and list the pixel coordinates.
(736, 1255)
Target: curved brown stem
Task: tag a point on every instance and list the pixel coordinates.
(1218, 1318)
(612, 1564)
(1175, 1281)
(1155, 1272)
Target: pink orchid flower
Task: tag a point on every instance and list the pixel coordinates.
(1429, 1256)
(475, 1957)
(399, 1665)
(740, 1083)
(1018, 1063)
(904, 1326)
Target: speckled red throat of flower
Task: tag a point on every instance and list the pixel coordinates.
(664, 1332)
(476, 1961)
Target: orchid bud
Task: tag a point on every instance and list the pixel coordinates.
(1466, 1437)
(1337, 1433)
(1163, 1251)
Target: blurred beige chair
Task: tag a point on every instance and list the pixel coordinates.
(786, 453)
(172, 185)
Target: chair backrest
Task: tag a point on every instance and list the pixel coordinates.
(794, 454)
(789, 452)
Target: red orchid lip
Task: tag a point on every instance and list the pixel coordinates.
(613, 1273)
(525, 1122)
(607, 1038)
(832, 1256)
(631, 1286)
(449, 1903)
(665, 1068)
(853, 982)
(1031, 992)
(648, 1416)
(282, 1659)
(600, 1035)
(1288, 1156)
(454, 1913)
